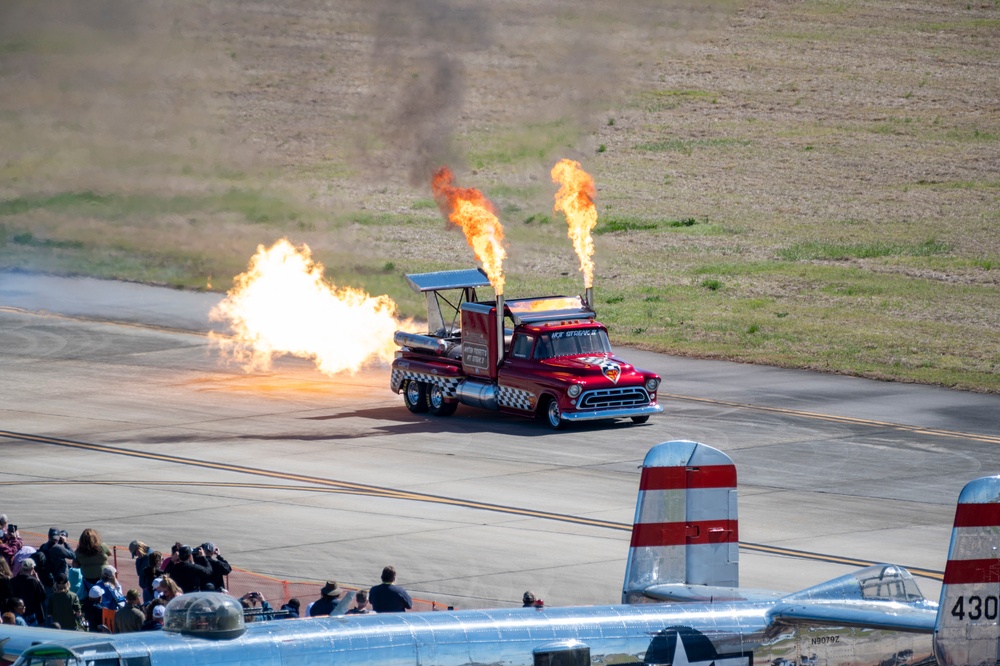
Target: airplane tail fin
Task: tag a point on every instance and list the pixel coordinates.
(685, 529)
(967, 630)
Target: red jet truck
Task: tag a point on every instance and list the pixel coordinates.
(543, 357)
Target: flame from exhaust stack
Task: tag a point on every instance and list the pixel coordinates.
(576, 199)
(283, 305)
(472, 211)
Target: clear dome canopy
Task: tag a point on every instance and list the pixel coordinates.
(205, 614)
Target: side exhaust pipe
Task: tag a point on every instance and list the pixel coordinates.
(424, 342)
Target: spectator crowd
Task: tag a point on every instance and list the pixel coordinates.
(77, 589)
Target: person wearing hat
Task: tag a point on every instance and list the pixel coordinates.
(220, 568)
(154, 616)
(140, 553)
(57, 557)
(27, 587)
(93, 612)
(131, 617)
(113, 596)
(157, 587)
(63, 607)
(331, 594)
(190, 572)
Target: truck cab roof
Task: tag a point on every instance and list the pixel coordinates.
(547, 309)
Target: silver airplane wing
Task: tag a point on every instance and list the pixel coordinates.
(707, 594)
(887, 615)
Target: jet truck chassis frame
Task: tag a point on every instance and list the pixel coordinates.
(542, 357)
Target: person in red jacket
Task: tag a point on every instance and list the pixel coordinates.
(10, 540)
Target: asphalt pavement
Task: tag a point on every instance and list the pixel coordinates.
(121, 414)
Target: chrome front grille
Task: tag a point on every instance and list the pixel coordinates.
(614, 398)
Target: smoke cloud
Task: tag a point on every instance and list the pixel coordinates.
(512, 61)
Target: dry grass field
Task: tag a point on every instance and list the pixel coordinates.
(801, 183)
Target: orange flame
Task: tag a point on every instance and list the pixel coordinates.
(283, 305)
(472, 211)
(576, 199)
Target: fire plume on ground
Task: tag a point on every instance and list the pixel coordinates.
(469, 208)
(575, 198)
(283, 305)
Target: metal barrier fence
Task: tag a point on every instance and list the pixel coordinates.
(276, 590)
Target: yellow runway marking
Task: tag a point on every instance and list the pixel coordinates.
(989, 439)
(329, 483)
(334, 486)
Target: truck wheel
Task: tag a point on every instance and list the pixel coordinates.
(437, 404)
(415, 396)
(640, 419)
(553, 415)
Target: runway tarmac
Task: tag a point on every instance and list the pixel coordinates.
(120, 415)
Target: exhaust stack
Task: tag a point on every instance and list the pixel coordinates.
(500, 331)
(588, 298)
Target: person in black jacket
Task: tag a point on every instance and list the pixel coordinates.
(93, 612)
(325, 604)
(389, 597)
(220, 568)
(191, 571)
(149, 574)
(26, 586)
(291, 609)
(56, 554)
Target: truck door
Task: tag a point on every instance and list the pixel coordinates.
(518, 376)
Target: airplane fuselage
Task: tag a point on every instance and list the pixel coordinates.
(723, 634)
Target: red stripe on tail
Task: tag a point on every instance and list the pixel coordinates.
(684, 534)
(977, 515)
(961, 572)
(679, 478)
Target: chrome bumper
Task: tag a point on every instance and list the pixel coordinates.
(622, 413)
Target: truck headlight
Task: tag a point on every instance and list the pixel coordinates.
(652, 383)
(574, 390)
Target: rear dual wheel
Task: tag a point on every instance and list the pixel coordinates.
(415, 396)
(437, 404)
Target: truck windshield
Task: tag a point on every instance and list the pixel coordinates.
(574, 342)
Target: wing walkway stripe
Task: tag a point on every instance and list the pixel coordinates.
(333, 485)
